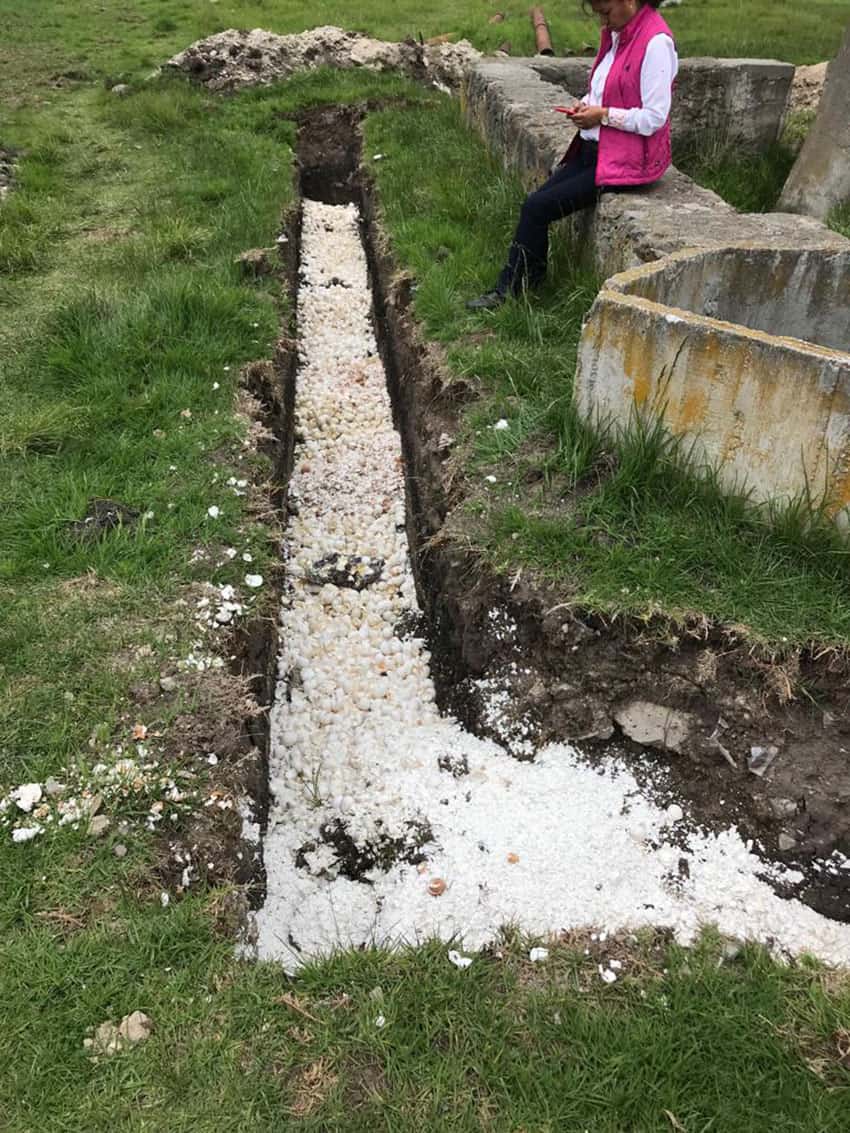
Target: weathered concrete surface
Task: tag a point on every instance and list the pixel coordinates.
(800, 293)
(820, 179)
(510, 104)
(740, 100)
(771, 412)
(234, 59)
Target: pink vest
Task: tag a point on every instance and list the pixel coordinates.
(625, 158)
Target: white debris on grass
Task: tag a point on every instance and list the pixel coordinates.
(130, 781)
(26, 796)
(459, 960)
(26, 833)
(358, 747)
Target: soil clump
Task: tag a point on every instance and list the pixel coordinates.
(234, 59)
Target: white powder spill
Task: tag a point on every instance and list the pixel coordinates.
(448, 834)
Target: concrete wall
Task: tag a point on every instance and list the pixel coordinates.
(740, 100)
(797, 293)
(820, 179)
(772, 413)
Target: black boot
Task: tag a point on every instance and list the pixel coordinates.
(489, 301)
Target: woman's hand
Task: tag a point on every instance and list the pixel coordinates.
(587, 117)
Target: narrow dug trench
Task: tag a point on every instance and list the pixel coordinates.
(413, 794)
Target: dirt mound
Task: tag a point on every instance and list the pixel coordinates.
(233, 59)
(807, 87)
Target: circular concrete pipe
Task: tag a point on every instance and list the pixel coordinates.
(541, 32)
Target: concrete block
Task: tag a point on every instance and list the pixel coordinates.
(741, 101)
(704, 340)
(820, 179)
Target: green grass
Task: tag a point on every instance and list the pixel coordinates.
(752, 183)
(644, 535)
(105, 39)
(504, 1045)
(840, 220)
(120, 308)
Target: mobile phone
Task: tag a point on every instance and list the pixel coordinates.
(565, 109)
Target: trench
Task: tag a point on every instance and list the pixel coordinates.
(410, 792)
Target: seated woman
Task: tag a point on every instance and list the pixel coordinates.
(623, 139)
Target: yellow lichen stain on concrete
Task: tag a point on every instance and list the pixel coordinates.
(689, 414)
(629, 343)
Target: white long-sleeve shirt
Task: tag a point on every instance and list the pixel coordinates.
(659, 69)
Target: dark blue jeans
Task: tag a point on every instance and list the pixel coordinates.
(570, 188)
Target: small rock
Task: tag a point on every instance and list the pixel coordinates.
(655, 725)
(120, 89)
(109, 1039)
(786, 842)
(761, 758)
(782, 808)
(120, 851)
(105, 1040)
(732, 949)
(92, 805)
(135, 1028)
(675, 813)
(536, 955)
(168, 684)
(98, 826)
(53, 787)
